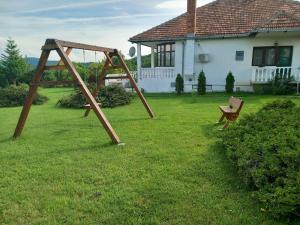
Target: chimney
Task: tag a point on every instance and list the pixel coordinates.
(191, 17)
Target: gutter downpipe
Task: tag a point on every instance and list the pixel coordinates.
(183, 58)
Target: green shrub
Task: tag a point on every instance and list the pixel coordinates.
(265, 147)
(114, 95)
(179, 84)
(15, 96)
(262, 89)
(279, 85)
(75, 100)
(109, 97)
(229, 83)
(201, 83)
(279, 104)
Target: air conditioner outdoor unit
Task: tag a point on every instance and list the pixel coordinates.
(204, 58)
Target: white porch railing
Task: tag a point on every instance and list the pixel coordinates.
(157, 73)
(266, 74)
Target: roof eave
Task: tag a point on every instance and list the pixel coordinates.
(187, 38)
(248, 34)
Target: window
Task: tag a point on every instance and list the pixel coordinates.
(239, 55)
(166, 55)
(280, 56)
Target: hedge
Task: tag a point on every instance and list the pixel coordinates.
(265, 147)
(15, 96)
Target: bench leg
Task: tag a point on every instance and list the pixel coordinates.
(226, 125)
(222, 118)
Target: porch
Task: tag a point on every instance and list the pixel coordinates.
(261, 75)
(160, 75)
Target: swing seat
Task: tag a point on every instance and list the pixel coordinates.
(88, 106)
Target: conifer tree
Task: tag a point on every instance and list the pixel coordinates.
(12, 64)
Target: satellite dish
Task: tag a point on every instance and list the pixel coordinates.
(132, 51)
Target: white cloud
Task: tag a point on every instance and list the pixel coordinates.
(74, 5)
(173, 4)
(179, 4)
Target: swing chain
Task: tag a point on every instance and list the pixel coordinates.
(96, 67)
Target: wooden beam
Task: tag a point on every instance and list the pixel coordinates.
(89, 97)
(31, 94)
(68, 52)
(109, 57)
(60, 67)
(116, 67)
(134, 85)
(51, 44)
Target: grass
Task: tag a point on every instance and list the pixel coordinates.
(64, 169)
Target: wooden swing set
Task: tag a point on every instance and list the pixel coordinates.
(65, 63)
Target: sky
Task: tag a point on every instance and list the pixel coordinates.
(108, 23)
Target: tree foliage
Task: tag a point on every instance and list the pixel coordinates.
(201, 88)
(12, 63)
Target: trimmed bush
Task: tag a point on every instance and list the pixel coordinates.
(229, 83)
(110, 96)
(201, 83)
(279, 85)
(265, 147)
(75, 100)
(279, 104)
(179, 84)
(15, 96)
(114, 95)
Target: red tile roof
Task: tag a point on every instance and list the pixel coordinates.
(230, 18)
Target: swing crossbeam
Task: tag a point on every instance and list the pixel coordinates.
(57, 67)
(51, 44)
(66, 63)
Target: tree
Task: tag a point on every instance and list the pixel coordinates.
(3, 80)
(201, 83)
(229, 83)
(179, 84)
(14, 66)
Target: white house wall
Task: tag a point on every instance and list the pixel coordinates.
(222, 53)
(222, 58)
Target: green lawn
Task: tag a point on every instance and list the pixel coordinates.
(64, 169)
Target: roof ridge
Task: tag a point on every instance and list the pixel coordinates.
(276, 15)
(229, 17)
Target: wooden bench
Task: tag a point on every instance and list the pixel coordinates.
(232, 111)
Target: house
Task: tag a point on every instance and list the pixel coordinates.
(254, 39)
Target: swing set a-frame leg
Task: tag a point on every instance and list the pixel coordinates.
(133, 83)
(55, 45)
(89, 97)
(32, 92)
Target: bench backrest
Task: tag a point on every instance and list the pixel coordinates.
(236, 103)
